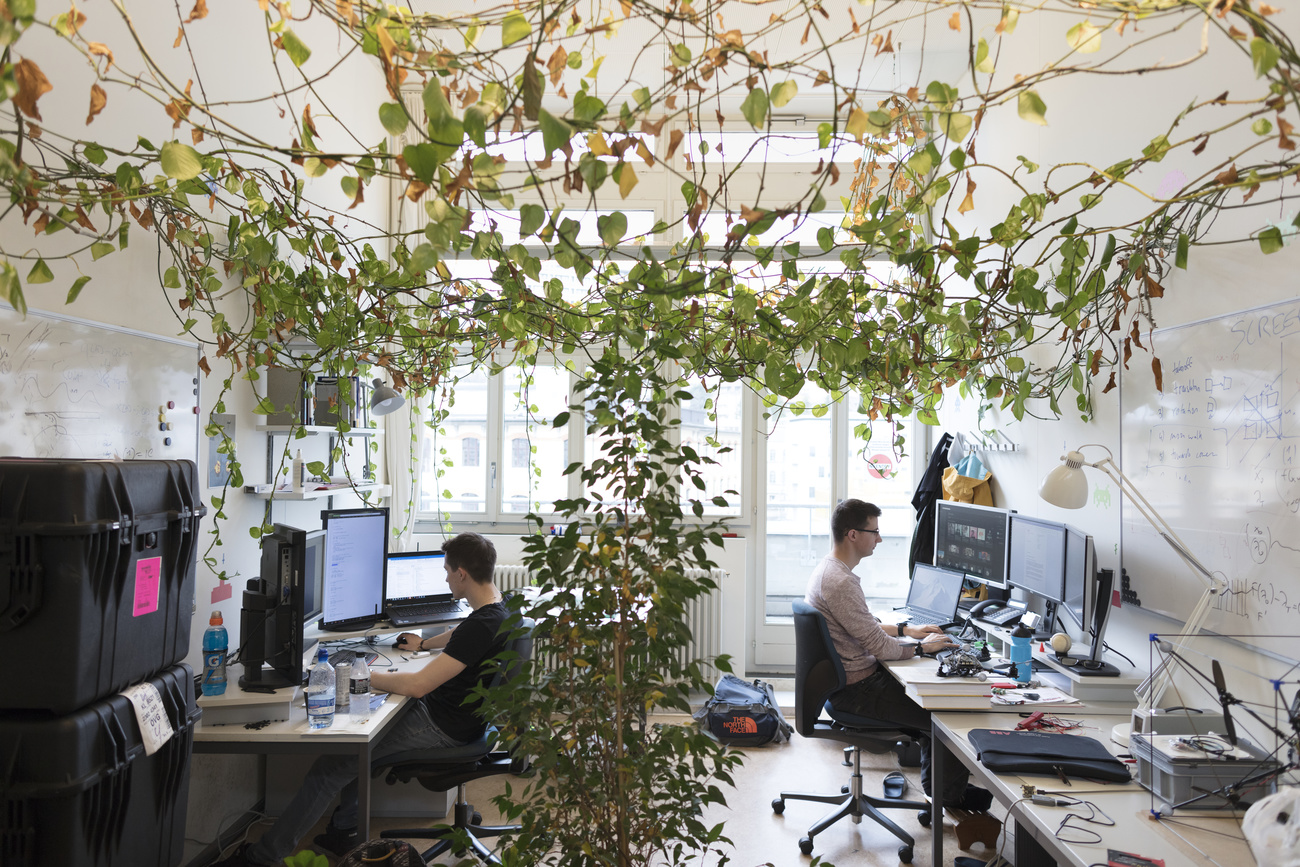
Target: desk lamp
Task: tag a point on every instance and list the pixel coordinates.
(383, 399)
(1067, 487)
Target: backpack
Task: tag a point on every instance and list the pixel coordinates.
(744, 714)
(383, 853)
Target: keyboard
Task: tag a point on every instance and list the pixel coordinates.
(413, 614)
(917, 619)
(348, 655)
(1003, 616)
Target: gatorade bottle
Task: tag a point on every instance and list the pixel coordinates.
(215, 645)
(1022, 654)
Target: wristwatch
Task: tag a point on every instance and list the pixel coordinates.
(902, 625)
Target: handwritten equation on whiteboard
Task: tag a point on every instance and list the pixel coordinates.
(1217, 453)
(75, 389)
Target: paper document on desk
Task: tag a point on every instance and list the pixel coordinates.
(1034, 695)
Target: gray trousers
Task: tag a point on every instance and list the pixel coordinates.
(881, 697)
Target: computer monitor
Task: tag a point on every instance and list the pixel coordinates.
(356, 541)
(273, 611)
(1077, 583)
(972, 540)
(313, 591)
(1037, 558)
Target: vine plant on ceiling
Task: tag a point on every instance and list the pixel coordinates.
(1033, 300)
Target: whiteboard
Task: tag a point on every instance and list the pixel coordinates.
(1216, 454)
(74, 389)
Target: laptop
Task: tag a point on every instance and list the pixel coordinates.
(933, 596)
(416, 590)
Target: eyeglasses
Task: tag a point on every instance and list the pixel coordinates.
(869, 530)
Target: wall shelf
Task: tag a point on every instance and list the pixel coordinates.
(379, 490)
(314, 430)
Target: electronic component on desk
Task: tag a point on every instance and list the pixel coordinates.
(1008, 616)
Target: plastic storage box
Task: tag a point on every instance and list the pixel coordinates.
(1175, 782)
(97, 566)
(79, 790)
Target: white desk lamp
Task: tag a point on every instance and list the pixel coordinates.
(1067, 487)
(383, 399)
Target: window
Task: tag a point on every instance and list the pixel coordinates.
(878, 475)
(519, 453)
(711, 425)
(464, 416)
(530, 402)
(469, 452)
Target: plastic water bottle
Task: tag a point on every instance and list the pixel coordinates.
(359, 686)
(1022, 654)
(215, 645)
(320, 692)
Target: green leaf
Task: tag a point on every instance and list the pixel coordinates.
(1270, 241)
(100, 249)
(296, 49)
(349, 185)
(1084, 37)
(921, 163)
(681, 55)
(642, 97)
(11, 288)
(393, 117)
(476, 121)
(784, 92)
(1264, 55)
(531, 218)
(824, 131)
(77, 286)
(514, 27)
(422, 160)
(171, 277)
(534, 87)
(983, 62)
(612, 227)
(1262, 126)
(1029, 164)
(955, 126)
(825, 239)
(555, 132)
(754, 108)
(95, 154)
(1031, 107)
(180, 161)
(1184, 245)
(40, 272)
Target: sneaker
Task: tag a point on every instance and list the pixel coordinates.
(337, 841)
(975, 800)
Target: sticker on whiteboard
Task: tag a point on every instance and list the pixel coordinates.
(148, 574)
(155, 728)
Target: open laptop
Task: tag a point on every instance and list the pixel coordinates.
(933, 596)
(416, 590)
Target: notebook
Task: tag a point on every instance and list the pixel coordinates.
(933, 596)
(416, 590)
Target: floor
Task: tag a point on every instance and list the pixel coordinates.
(760, 836)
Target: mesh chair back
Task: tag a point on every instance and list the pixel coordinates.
(818, 671)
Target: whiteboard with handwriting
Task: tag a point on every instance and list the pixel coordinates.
(1217, 453)
(74, 389)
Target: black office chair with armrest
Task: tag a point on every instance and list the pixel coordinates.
(439, 770)
(818, 674)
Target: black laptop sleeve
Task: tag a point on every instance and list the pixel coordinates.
(1046, 753)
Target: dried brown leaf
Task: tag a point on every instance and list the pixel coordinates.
(1156, 372)
(99, 49)
(954, 23)
(674, 141)
(1110, 384)
(180, 37)
(98, 99)
(1228, 176)
(200, 10)
(32, 85)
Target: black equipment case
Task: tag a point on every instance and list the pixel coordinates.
(97, 563)
(79, 790)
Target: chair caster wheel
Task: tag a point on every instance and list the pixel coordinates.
(844, 790)
(905, 854)
(924, 818)
(778, 805)
(805, 845)
(476, 819)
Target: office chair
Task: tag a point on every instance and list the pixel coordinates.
(453, 767)
(818, 674)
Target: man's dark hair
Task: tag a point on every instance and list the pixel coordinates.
(474, 553)
(851, 515)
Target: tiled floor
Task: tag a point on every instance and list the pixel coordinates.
(761, 837)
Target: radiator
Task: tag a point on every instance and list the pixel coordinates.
(703, 614)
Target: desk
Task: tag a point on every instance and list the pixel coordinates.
(292, 736)
(1126, 804)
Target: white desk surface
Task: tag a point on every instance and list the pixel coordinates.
(922, 669)
(1205, 839)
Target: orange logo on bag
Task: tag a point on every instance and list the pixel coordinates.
(741, 726)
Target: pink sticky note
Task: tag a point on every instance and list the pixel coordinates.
(222, 592)
(148, 574)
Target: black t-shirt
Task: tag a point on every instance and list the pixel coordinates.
(476, 640)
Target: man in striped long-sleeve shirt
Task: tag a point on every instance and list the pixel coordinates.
(861, 641)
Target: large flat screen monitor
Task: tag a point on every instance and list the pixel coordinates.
(972, 540)
(356, 541)
(275, 608)
(1078, 588)
(313, 577)
(1037, 557)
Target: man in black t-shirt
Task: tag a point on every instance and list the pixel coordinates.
(441, 716)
